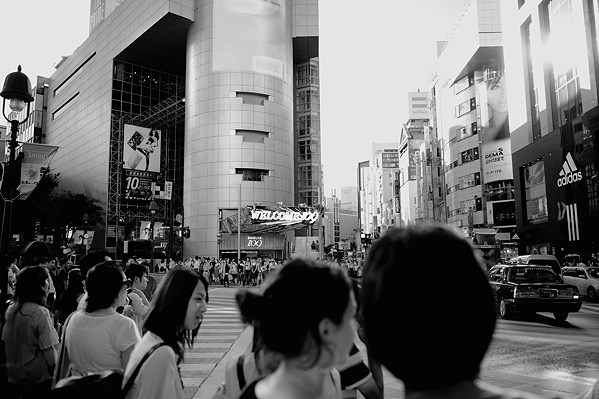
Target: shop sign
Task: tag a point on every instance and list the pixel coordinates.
(254, 242)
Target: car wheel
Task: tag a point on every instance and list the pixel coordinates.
(504, 311)
(592, 294)
(560, 316)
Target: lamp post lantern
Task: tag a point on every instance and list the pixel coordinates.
(153, 209)
(17, 91)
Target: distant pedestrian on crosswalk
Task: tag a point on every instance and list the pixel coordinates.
(437, 350)
(305, 314)
(173, 319)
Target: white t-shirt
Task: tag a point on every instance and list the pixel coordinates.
(158, 377)
(96, 340)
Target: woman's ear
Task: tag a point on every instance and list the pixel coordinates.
(326, 328)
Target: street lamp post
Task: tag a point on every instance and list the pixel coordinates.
(85, 235)
(153, 208)
(17, 90)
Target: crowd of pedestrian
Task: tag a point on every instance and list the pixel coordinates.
(70, 320)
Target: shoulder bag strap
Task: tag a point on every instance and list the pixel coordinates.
(58, 371)
(133, 376)
(240, 375)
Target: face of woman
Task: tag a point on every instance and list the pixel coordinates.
(196, 307)
(496, 96)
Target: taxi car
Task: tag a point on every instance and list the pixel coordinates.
(532, 288)
(586, 279)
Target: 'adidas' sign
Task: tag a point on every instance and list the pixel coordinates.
(569, 173)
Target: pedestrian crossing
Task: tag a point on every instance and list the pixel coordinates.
(220, 328)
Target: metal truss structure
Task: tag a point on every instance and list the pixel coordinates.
(164, 116)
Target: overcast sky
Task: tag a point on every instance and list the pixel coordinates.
(372, 53)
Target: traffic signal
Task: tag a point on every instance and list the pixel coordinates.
(186, 232)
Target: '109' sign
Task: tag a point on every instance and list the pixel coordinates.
(254, 242)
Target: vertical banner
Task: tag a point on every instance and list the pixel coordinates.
(2, 160)
(142, 148)
(251, 35)
(36, 157)
(496, 145)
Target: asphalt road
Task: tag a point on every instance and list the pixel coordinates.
(539, 346)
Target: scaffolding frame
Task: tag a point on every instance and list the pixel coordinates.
(163, 116)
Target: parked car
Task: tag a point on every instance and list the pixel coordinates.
(586, 279)
(531, 289)
(538, 259)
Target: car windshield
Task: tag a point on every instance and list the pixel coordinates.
(532, 275)
(545, 262)
(593, 272)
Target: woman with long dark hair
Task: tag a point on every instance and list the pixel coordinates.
(174, 317)
(30, 338)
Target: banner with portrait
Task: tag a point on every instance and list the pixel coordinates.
(141, 149)
(251, 35)
(496, 145)
(35, 158)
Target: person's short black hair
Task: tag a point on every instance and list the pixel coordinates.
(135, 270)
(428, 278)
(295, 299)
(91, 259)
(103, 283)
(30, 285)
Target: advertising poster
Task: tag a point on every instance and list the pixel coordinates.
(390, 159)
(137, 185)
(414, 156)
(142, 148)
(251, 35)
(496, 146)
(35, 158)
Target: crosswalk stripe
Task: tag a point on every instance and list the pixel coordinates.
(220, 328)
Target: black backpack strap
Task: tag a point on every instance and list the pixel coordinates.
(240, 375)
(133, 376)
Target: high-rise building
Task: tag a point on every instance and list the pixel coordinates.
(471, 124)
(410, 180)
(551, 47)
(213, 104)
(384, 168)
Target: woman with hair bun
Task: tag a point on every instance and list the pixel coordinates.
(305, 314)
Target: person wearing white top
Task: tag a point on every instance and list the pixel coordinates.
(138, 275)
(174, 317)
(98, 338)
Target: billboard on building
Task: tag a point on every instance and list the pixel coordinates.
(390, 158)
(251, 35)
(496, 146)
(418, 105)
(142, 148)
(100, 10)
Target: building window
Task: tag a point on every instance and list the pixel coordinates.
(463, 83)
(558, 37)
(304, 149)
(251, 174)
(252, 97)
(470, 180)
(470, 155)
(74, 74)
(466, 131)
(535, 193)
(532, 90)
(465, 107)
(252, 136)
(66, 105)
